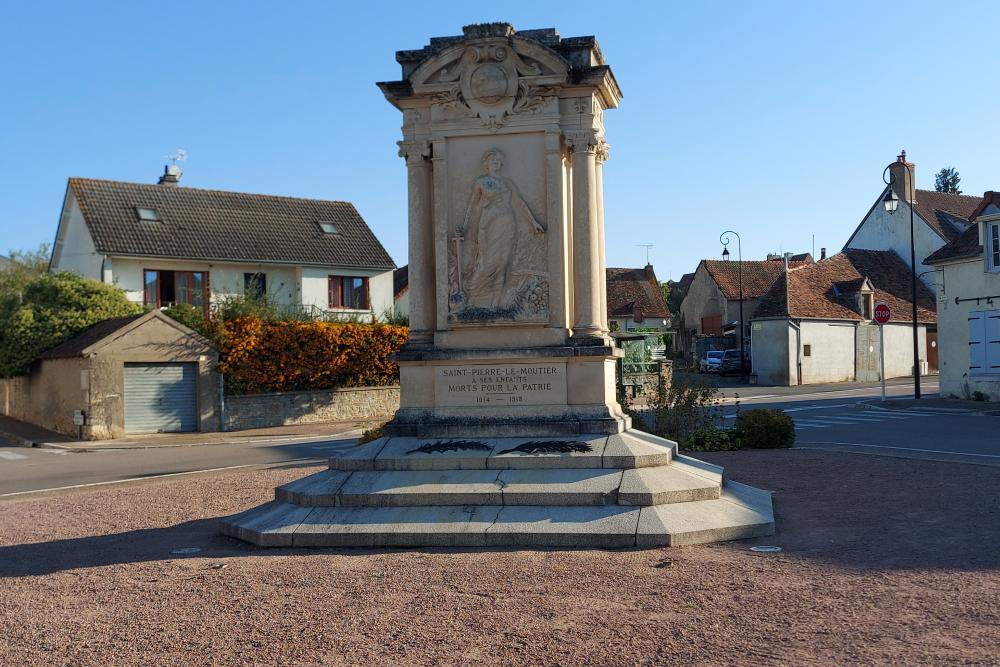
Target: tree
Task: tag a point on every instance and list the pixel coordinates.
(25, 266)
(665, 290)
(51, 309)
(947, 180)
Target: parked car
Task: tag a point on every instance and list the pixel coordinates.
(730, 363)
(710, 362)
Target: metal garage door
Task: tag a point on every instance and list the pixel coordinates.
(161, 398)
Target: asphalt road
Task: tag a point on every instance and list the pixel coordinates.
(835, 419)
(30, 470)
(828, 418)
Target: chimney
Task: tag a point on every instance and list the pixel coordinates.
(822, 254)
(903, 177)
(649, 273)
(171, 176)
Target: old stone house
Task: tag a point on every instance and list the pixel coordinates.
(635, 300)
(816, 322)
(165, 244)
(968, 305)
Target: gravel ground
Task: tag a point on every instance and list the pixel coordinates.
(886, 562)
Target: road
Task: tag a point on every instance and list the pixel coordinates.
(836, 419)
(30, 470)
(825, 417)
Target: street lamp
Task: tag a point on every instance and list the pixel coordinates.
(891, 203)
(724, 239)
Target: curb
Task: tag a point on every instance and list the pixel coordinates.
(869, 404)
(290, 440)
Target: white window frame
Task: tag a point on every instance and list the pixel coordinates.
(991, 244)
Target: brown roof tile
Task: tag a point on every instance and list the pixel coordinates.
(931, 202)
(758, 276)
(634, 292)
(810, 291)
(218, 225)
(965, 245)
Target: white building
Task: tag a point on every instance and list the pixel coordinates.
(163, 244)
(939, 218)
(969, 306)
(815, 325)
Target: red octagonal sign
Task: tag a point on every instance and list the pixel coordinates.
(882, 313)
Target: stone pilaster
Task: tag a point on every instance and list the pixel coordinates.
(587, 260)
(421, 240)
(602, 157)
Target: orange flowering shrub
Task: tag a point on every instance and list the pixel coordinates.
(260, 356)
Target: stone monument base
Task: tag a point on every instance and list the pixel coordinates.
(627, 489)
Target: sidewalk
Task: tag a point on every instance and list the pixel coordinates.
(22, 434)
(935, 404)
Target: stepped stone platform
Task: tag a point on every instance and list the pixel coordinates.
(623, 490)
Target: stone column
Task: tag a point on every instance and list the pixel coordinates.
(421, 240)
(602, 156)
(587, 282)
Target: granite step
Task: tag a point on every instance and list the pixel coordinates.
(630, 449)
(740, 512)
(676, 482)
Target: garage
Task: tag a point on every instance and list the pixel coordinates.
(143, 373)
(161, 398)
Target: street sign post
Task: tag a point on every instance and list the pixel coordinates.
(882, 315)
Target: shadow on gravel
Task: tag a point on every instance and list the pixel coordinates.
(851, 511)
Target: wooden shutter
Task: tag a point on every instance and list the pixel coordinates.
(977, 342)
(991, 324)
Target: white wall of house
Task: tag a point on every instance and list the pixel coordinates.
(74, 249)
(315, 289)
(773, 352)
(964, 279)
(831, 351)
(899, 348)
(225, 279)
(881, 231)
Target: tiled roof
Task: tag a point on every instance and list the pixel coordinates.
(931, 202)
(75, 346)
(810, 291)
(758, 276)
(220, 226)
(966, 245)
(633, 292)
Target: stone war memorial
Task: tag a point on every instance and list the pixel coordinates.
(509, 432)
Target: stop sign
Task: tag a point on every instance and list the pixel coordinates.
(882, 313)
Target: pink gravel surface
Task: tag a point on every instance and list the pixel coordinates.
(885, 562)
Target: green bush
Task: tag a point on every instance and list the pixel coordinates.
(764, 429)
(708, 439)
(193, 317)
(50, 310)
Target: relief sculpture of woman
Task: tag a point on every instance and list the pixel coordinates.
(500, 248)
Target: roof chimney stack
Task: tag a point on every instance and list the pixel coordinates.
(822, 254)
(171, 176)
(903, 177)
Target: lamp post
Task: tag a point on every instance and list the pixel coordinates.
(725, 239)
(891, 203)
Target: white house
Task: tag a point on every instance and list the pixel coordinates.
(164, 244)
(969, 306)
(815, 324)
(939, 218)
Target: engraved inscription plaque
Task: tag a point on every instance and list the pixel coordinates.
(493, 385)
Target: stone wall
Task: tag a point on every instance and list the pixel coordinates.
(49, 395)
(309, 407)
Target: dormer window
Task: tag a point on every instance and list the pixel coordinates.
(867, 305)
(991, 244)
(147, 214)
(328, 227)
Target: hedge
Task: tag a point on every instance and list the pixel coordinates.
(260, 356)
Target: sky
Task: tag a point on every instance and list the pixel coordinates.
(771, 119)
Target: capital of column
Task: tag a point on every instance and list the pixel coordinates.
(416, 151)
(582, 141)
(601, 151)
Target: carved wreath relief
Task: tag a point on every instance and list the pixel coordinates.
(497, 256)
(488, 86)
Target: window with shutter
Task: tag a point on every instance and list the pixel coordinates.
(992, 340)
(977, 342)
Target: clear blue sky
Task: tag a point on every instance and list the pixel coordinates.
(773, 119)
